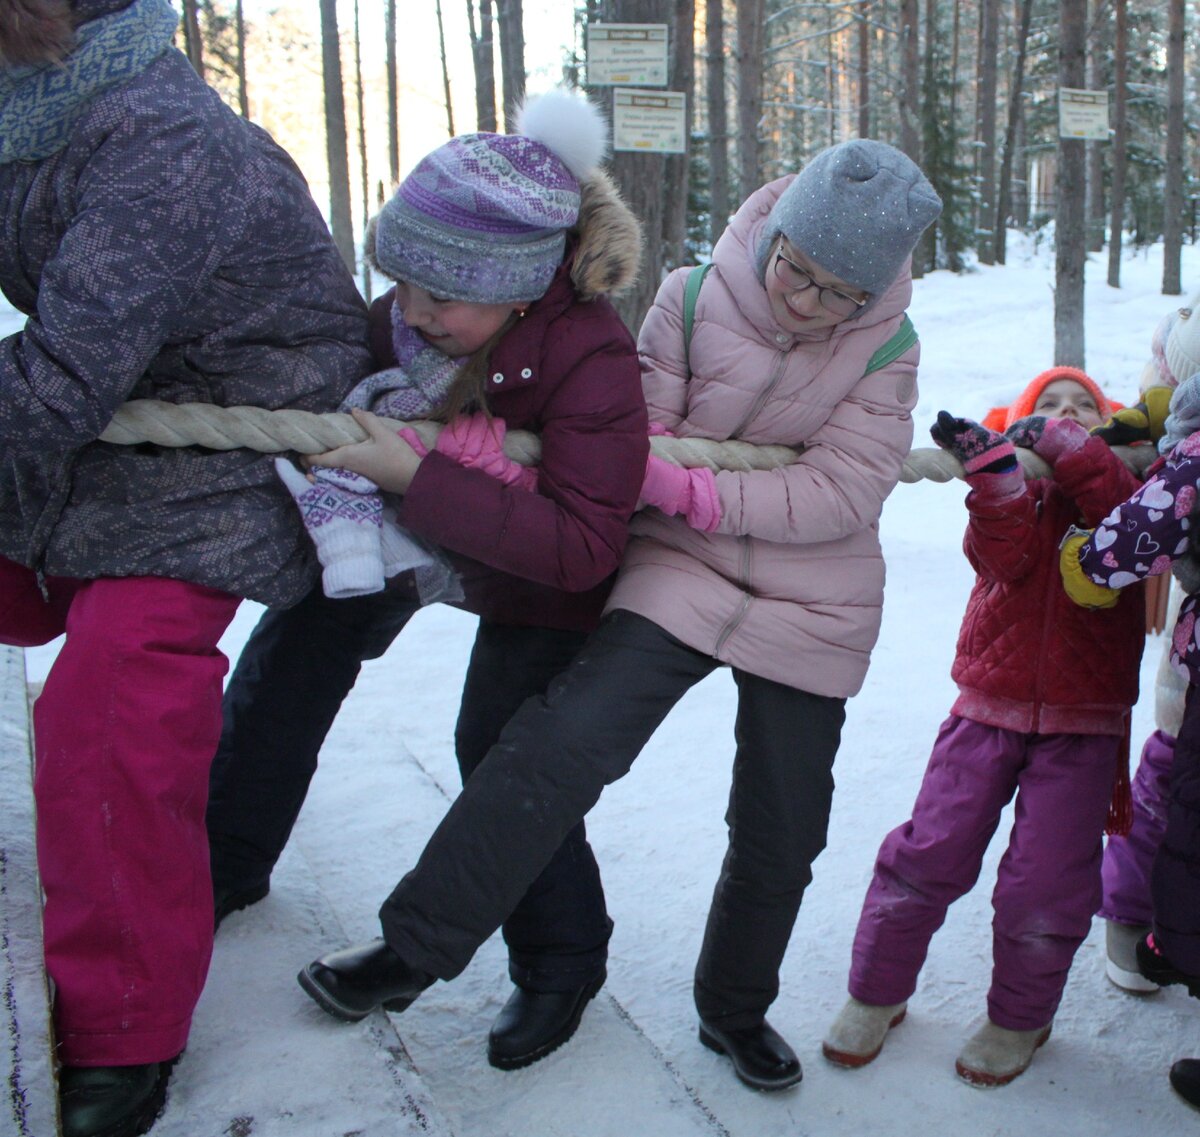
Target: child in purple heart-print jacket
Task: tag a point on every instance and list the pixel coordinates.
(1145, 536)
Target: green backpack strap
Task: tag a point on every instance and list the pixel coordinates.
(691, 290)
(894, 348)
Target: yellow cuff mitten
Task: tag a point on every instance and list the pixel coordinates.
(1085, 592)
(1157, 401)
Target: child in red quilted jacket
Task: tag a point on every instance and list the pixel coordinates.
(1024, 723)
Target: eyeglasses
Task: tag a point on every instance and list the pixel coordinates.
(796, 279)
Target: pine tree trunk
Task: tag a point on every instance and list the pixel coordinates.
(864, 69)
(239, 17)
(445, 70)
(1004, 204)
(718, 119)
(681, 36)
(1116, 225)
(393, 128)
(1069, 213)
(910, 139)
(193, 41)
(751, 15)
(483, 60)
(336, 145)
(510, 20)
(364, 176)
(1096, 47)
(1173, 173)
(989, 17)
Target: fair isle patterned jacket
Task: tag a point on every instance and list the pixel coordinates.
(169, 250)
(1143, 536)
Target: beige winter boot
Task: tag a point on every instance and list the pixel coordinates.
(994, 1056)
(1120, 964)
(857, 1034)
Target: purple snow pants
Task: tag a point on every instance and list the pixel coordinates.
(125, 731)
(1128, 860)
(1047, 884)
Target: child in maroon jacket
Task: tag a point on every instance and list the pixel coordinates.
(1023, 724)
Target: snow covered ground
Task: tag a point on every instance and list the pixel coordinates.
(264, 1061)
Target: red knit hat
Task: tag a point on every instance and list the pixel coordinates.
(1001, 418)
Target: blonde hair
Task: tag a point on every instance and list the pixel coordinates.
(35, 31)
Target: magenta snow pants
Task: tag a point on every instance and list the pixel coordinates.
(124, 732)
(1047, 883)
(1128, 860)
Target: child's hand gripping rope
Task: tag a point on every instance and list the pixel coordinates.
(980, 450)
(1143, 422)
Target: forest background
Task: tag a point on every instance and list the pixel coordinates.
(359, 90)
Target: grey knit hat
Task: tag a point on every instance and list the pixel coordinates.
(857, 210)
(484, 217)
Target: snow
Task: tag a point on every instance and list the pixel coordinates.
(263, 1060)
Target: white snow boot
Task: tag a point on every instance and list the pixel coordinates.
(994, 1056)
(857, 1034)
(1120, 964)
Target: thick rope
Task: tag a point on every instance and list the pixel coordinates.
(272, 432)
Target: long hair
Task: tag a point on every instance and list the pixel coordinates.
(35, 31)
(468, 391)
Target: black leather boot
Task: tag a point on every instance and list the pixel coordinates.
(533, 1023)
(1156, 967)
(1185, 1080)
(112, 1101)
(759, 1055)
(228, 900)
(349, 984)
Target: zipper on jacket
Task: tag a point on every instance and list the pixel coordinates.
(747, 555)
(1047, 625)
(763, 395)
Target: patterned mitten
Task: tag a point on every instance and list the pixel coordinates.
(344, 527)
(674, 489)
(1143, 422)
(477, 442)
(981, 451)
(1049, 438)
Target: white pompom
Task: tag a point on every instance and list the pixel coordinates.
(568, 123)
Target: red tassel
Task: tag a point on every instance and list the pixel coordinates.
(1120, 807)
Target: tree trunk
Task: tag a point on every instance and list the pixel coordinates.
(445, 70)
(751, 16)
(1069, 214)
(681, 38)
(864, 69)
(239, 17)
(989, 17)
(483, 59)
(1116, 226)
(718, 119)
(362, 147)
(910, 139)
(193, 41)
(340, 222)
(1004, 204)
(512, 56)
(393, 128)
(1096, 45)
(1173, 172)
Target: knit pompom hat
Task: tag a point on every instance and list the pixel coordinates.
(484, 217)
(1179, 335)
(1001, 418)
(857, 211)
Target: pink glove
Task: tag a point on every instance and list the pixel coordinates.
(477, 442)
(657, 430)
(1061, 436)
(676, 490)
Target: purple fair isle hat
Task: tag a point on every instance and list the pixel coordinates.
(484, 217)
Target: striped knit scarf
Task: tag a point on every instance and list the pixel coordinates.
(39, 105)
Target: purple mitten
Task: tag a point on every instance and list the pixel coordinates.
(981, 451)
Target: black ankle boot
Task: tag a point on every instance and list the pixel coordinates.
(111, 1101)
(349, 984)
(233, 899)
(1156, 967)
(533, 1023)
(1185, 1080)
(759, 1055)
